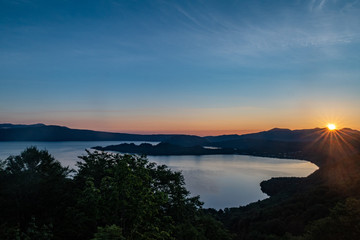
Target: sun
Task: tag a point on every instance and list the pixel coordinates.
(331, 126)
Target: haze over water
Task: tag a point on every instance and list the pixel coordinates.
(220, 180)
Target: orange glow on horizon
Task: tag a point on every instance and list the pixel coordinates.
(195, 121)
(189, 125)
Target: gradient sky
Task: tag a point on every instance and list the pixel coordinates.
(203, 67)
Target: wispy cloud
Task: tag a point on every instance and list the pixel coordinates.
(287, 30)
(317, 5)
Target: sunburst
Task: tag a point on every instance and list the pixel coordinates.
(331, 126)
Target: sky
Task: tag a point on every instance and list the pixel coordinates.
(197, 67)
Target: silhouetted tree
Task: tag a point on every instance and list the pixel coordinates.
(32, 190)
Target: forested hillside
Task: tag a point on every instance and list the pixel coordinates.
(324, 205)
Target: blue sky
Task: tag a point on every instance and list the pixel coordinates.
(180, 66)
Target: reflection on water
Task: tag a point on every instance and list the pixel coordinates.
(232, 180)
(221, 180)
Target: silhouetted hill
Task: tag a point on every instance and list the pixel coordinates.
(222, 138)
(281, 134)
(41, 132)
(275, 134)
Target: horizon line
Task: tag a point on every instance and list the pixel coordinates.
(201, 133)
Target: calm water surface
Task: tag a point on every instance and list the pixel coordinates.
(221, 180)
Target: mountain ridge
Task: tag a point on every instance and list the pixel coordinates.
(42, 132)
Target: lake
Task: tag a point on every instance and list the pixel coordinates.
(220, 180)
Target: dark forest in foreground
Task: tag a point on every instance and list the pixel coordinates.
(109, 197)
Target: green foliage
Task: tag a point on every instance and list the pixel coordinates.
(111, 196)
(112, 232)
(33, 186)
(342, 223)
(32, 232)
(278, 215)
(146, 200)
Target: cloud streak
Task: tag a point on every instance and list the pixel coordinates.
(263, 34)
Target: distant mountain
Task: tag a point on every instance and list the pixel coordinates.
(222, 138)
(309, 144)
(283, 134)
(42, 132)
(275, 134)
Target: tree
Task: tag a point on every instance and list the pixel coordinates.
(145, 200)
(32, 190)
(342, 223)
(112, 232)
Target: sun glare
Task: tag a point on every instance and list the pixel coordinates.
(331, 126)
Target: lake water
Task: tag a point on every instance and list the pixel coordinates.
(220, 180)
